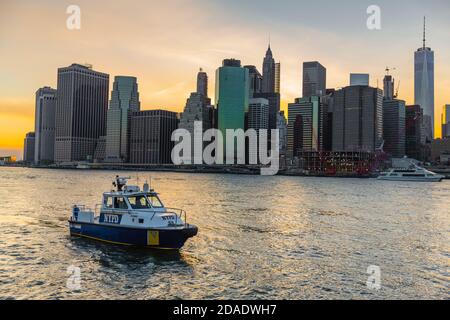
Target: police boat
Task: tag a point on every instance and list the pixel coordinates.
(132, 217)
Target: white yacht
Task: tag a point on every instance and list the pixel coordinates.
(414, 173)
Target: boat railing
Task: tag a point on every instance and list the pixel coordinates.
(180, 213)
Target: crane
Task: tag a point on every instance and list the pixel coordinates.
(397, 90)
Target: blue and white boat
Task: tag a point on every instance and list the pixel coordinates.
(132, 217)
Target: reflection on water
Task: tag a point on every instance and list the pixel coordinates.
(260, 238)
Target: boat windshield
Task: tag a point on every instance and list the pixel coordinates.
(156, 203)
(139, 202)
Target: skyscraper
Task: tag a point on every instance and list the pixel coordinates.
(314, 79)
(424, 85)
(305, 125)
(255, 81)
(81, 108)
(29, 147)
(258, 118)
(357, 119)
(413, 130)
(196, 110)
(232, 90)
(282, 127)
(124, 100)
(394, 121)
(45, 125)
(202, 83)
(151, 136)
(446, 121)
(388, 85)
(278, 77)
(268, 82)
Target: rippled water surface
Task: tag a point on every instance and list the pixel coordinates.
(260, 238)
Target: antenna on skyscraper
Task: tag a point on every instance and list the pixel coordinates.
(424, 31)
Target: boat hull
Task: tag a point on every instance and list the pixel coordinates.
(412, 179)
(172, 239)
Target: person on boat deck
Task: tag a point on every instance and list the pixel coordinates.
(119, 183)
(120, 203)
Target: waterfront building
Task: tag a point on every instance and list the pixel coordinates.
(100, 150)
(232, 96)
(269, 70)
(424, 85)
(81, 108)
(440, 148)
(255, 81)
(45, 111)
(394, 122)
(124, 100)
(305, 125)
(29, 147)
(314, 79)
(359, 79)
(151, 136)
(357, 119)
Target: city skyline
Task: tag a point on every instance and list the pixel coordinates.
(165, 60)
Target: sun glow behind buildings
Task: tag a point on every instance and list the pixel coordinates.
(164, 48)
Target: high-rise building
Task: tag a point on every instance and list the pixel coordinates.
(278, 77)
(151, 136)
(100, 150)
(44, 127)
(282, 130)
(394, 121)
(305, 125)
(446, 121)
(357, 119)
(29, 147)
(424, 85)
(413, 131)
(255, 81)
(274, 106)
(232, 96)
(258, 118)
(314, 79)
(359, 79)
(268, 82)
(81, 108)
(124, 100)
(196, 110)
(202, 83)
(388, 85)
(258, 114)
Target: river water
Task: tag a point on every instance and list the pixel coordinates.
(259, 238)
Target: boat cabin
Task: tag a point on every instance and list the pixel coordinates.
(132, 199)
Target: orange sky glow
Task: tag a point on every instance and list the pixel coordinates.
(164, 44)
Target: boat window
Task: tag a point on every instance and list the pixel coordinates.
(156, 203)
(119, 203)
(109, 203)
(139, 202)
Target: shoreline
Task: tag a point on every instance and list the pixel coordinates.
(238, 170)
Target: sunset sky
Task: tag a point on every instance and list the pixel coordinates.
(164, 43)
